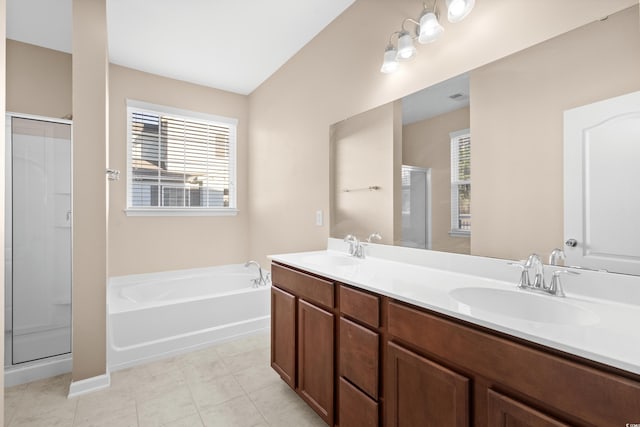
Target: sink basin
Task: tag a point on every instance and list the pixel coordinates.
(522, 305)
(326, 260)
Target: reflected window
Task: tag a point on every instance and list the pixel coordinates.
(461, 183)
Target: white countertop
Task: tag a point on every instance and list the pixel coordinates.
(609, 335)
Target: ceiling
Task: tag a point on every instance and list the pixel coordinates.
(438, 99)
(232, 45)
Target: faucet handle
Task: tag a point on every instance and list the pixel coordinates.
(524, 275)
(372, 236)
(555, 288)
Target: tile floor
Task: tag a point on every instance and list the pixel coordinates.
(230, 384)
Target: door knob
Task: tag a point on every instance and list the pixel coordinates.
(572, 243)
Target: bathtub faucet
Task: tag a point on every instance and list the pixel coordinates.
(260, 281)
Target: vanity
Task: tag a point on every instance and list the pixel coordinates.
(403, 338)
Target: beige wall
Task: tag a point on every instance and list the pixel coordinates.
(147, 244)
(517, 109)
(38, 80)
(362, 147)
(90, 194)
(427, 144)
(336, 76)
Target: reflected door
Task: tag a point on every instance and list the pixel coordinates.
(41, 238)
(416, 221)
(602, 200)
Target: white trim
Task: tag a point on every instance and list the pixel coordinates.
(179, 113)
(89, 385)
(37, 117)
(41, 369)
(161, 211)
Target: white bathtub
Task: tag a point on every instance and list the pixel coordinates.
(152, 316)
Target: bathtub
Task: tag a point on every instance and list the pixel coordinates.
(153, 316)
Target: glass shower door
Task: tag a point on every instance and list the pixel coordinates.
(41, 239)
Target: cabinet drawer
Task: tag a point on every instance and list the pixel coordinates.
(566, 387)
(359, 348)
(303, 285)
(360, 305)
(356, 408)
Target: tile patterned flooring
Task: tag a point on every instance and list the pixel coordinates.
(228, 385)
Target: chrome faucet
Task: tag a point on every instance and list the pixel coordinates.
(534, 261)
(354, 244)
(261, 279)
(556, 255)
(356, 247)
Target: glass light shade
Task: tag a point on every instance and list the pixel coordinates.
(390, 62)
(457, 10)
(430, 28)
(406, 48)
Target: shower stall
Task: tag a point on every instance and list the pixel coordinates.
(37, 248)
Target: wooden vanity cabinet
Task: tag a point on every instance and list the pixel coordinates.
(359, 358)
(385, 362)
(514, 383)
(302, 336)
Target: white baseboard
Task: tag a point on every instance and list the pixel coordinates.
(20, 374)
(89, 385)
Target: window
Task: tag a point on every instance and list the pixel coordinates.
(461, 183)
(179, 162)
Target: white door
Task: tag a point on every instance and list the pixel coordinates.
(602, 185)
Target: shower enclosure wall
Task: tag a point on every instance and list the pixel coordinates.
(38, 241)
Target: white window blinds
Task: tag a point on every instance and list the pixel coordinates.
(461, 182)
(180, 160)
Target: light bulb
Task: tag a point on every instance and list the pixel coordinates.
(430, 28)
(457, 10)
(390, 62)
(406, 48)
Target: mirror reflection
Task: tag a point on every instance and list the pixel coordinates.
(476, 164)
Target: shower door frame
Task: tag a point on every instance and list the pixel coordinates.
(57, 367)
(428, 190)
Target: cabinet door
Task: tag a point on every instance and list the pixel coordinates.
(423, 393)
(315, 358)
(506, 412)
(283, 335)
(356, 408)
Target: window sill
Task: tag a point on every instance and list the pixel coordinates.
(180, 212)
(459, 233)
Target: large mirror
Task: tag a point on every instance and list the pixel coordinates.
(476, 164)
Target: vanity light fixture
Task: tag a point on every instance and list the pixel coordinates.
(390, 62)
(457, 10)
(430, 28)
(406, 48)
(427, 30)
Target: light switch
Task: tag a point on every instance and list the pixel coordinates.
(319, 218)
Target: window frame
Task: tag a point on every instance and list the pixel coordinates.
(455, 137)
(232, 123)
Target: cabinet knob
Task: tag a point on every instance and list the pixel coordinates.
(572, 243)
